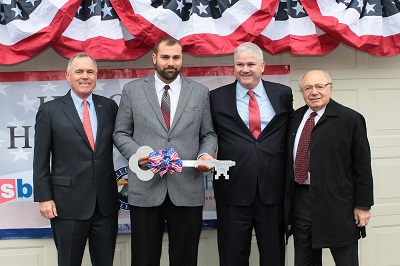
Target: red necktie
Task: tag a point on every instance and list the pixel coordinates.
(87, 126)
(302, 164)
(166, 106)
(254, 115)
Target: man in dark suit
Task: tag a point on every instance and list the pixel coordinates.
(329, 191)
(253, 195)
(73, 171)
(178, 198)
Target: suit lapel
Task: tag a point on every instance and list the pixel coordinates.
(151, 94)
(271, 93)
(332, 109)
(295, 120)
(100, 117)
(72, 114)
(232, 107)
(183, 100)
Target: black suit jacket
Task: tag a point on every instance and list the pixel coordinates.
(65, 169)
(341, 175)
(259, 162)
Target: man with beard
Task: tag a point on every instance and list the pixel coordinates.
(184, 125)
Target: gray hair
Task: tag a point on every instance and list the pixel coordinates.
(80, 55)
(326, 74)
(250, 48)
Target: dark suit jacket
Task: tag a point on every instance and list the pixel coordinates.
(341, 176)
(65, 169)
(259, 162)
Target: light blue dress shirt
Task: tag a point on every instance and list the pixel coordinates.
(267, 112)
(78, 102)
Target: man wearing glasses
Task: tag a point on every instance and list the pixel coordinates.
(329, 188)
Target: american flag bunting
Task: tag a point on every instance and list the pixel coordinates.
(127, 29)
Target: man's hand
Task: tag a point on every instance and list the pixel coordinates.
(361, 217)
(203, 167)
(48, 209)
(143, 161)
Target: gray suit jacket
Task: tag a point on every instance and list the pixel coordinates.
(140, 123)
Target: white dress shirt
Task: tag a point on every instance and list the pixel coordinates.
(300, 129)
(174, 92)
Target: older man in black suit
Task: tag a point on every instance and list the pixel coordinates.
(250, 118)
(73, 171)
(329, 190)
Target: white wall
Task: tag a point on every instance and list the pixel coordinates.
(363, 82)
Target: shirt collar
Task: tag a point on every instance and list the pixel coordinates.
(258, 90)
(320, 112)
(78, 101)
(174, 85)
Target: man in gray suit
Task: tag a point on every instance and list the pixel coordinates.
(185, 125)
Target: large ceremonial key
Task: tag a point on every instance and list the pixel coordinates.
(220, 167)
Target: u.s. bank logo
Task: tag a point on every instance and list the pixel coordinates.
(122, 183)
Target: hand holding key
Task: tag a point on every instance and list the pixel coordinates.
(220, 167)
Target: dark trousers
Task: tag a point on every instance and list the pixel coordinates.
(70, 237)
(235, 226)
(184, 228)
(305, 255)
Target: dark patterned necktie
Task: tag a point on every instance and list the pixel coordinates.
(166, 106)
(254, 115)
(302, 163)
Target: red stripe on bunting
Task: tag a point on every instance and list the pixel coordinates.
(30, 46)
(135, 73)
(298, 45)
(102, 48)
(375, 44)
(197, 43)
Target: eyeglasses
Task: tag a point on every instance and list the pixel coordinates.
(318, 87)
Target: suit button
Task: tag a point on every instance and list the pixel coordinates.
(169, 140)
(254, 164)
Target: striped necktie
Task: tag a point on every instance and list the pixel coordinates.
(166, 106)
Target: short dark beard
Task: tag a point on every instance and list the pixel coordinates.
(167, 76)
